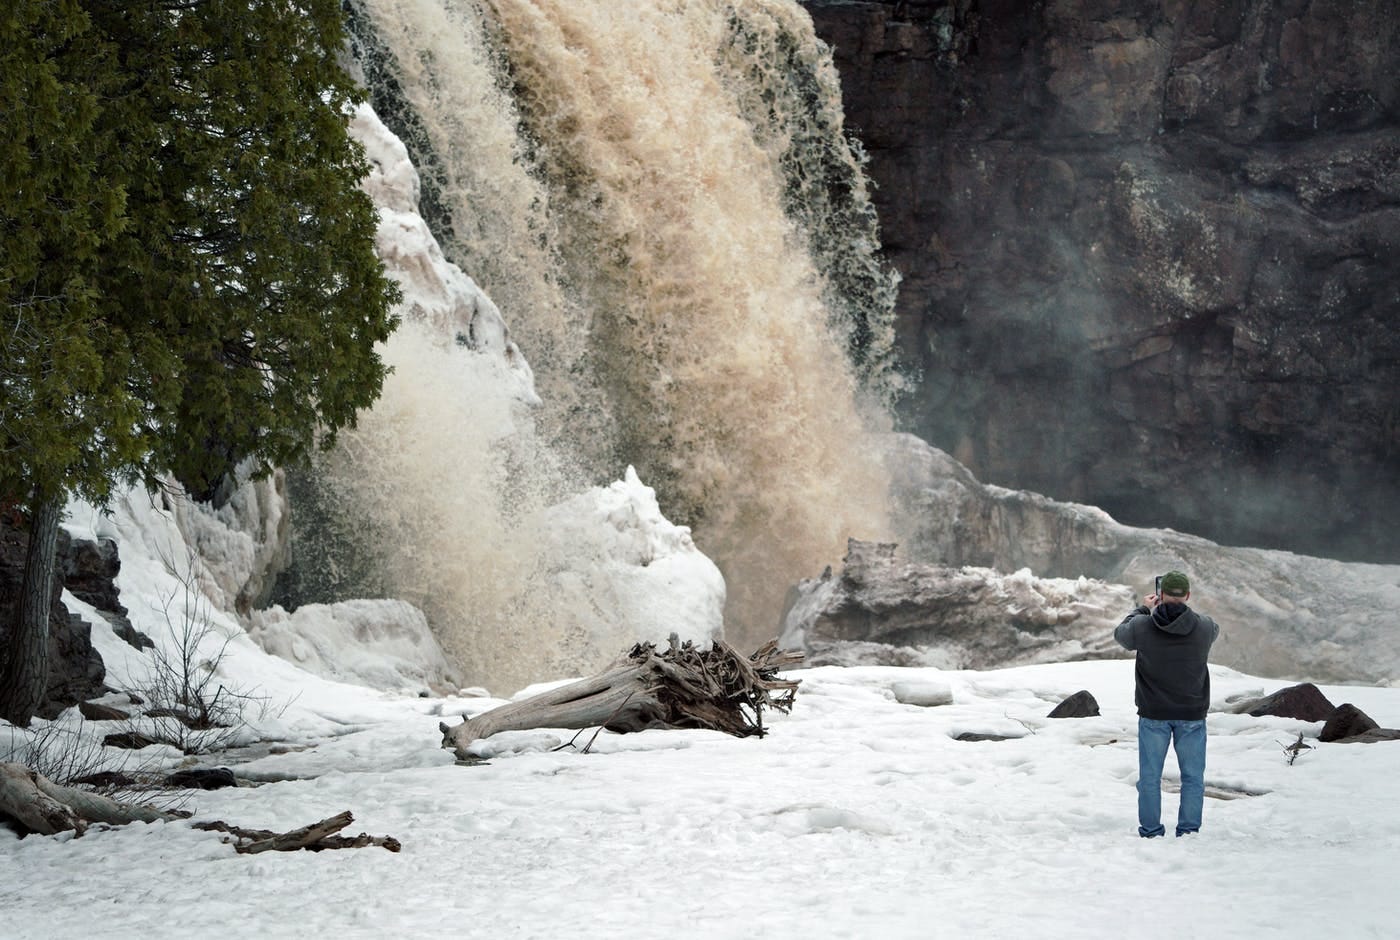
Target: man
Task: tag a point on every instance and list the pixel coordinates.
(1173, 694)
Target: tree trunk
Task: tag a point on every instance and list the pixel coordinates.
(26, 674)
(682, 687)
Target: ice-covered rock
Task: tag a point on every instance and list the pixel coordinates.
(435, 290)
(1280, 614)
(384, 644)
(632, 575)
(882, 609)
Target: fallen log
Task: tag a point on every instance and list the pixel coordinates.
(682, 687)
(41, 806)
(38, 805)
(313, 838)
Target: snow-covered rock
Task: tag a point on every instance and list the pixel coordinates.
(883, 610)
(1280, 614)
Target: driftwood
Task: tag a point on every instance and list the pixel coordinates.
(313, 838)
(39, 805)
(682, 687)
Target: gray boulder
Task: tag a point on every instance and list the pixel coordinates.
(1081, 704)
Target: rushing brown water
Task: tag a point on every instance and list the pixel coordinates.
(644, 188)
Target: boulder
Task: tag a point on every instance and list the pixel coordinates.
(1348, 724)
(1304, 701)
(1081, 704)
(1346, 721)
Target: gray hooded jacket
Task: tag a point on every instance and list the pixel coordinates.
(1173, 645)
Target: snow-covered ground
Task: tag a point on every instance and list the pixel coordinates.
(857, 816)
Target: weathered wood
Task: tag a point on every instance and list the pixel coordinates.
(42, 806)
(22, 800)
(39, 805)
(682, 687)
(313, 838)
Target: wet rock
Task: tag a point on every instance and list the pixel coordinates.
(76, 671)
(1346, 721)
(202, 778)
(981, 736)
(106, 780)
(1349, 724)
(1371, 737)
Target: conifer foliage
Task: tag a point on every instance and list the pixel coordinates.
(187, 267)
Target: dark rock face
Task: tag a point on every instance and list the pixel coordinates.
(1147, 251)
(1081, 704)
(90, 573)
(1304, 702)
(76, 671)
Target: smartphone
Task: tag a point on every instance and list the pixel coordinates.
(1158, 591)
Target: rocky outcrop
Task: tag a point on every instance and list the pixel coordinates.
(1147, 251)
(1280, 614)
(881, 609)
(76, 671)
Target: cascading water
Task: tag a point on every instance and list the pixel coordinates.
(660, 197)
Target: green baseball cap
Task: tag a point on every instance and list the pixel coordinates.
(1176, 584)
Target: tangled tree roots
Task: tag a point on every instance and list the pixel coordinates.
(682, 687)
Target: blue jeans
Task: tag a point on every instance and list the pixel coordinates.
(1189, 740)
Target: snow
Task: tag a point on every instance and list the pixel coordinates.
(856, 816)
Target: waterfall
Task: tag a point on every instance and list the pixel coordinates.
(660, 197)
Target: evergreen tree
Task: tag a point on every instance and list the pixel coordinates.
(68, 415)
(187, 273)
(249, 236)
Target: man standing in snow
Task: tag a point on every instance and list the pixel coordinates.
(1173, 694)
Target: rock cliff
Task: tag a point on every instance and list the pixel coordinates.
(1147, 251)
